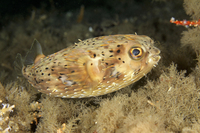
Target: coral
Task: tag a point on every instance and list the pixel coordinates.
(192, 38)
(192, 8)
(5, 123)
(26, 110)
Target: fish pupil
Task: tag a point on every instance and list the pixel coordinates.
(136, 52)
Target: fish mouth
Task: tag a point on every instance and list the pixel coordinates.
(156, 58)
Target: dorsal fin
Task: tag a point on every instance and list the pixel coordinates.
(34, 54)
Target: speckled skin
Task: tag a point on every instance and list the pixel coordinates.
(93, 67)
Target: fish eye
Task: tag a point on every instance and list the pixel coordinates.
(136, 52)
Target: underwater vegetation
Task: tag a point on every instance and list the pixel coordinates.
(164, 101)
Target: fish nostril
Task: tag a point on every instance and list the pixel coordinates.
(156, 51)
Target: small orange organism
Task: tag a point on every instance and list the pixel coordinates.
(185, 23)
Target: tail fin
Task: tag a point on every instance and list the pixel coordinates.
(34, 54)
(18, 65)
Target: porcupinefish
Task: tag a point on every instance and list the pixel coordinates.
(92, 67)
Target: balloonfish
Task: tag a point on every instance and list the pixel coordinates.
(92, 67)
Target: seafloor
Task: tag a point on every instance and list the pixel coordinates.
(166, 100)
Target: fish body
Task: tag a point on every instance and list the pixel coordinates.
(92, 67)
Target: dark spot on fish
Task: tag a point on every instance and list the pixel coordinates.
(91, 64)
(103, 54)
(59, 77)
(40, 70)
(118, 51)
(111, 55)
(42, 80)
(42, 73)
(54, 62)
(119, 58)
(123, 38)
(49, 80)
(118, 45)
(73, 83)
(102, 59)
(62, 74)
(36, 80)
(93, 44)
(83, 64)
(49, 74)
(36, 71)
(106, 63)
(72, 71)
(52, 69)
(46, 68)
(123, 61)
(94, 55)
(110, 51)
